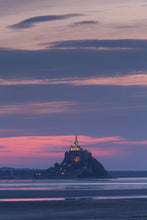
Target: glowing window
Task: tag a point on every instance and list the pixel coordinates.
(77, 159)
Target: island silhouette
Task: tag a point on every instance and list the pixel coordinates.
(77, 163)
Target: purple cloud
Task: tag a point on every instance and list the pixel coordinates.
(30, 22)
(87, 22)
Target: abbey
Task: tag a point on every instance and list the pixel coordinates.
(77, 163)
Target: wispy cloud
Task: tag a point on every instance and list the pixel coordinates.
(43, 151)
(126, 26)
(69, 107)
(87, 22)
(30, 22)
(121, 43)
(143, 142)
(97, 152)
(37, 108)
(4, 149)
(87, 58)
(127, 80)
(2, 146)
(48, 145)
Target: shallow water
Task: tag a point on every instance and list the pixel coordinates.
(70, 185)
(95, 184)
(73, 198)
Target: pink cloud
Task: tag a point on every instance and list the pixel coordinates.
(37, 108)
(144, 142)
(58, 107)
(104, 153)
(43, 146)
(128, 80)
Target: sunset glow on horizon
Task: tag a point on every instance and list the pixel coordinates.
(45, 147)
(51, 146)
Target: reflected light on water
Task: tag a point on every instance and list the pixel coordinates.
(73, 198)
(30, 199)
(109, 184)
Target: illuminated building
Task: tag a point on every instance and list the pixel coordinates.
(77, 163)
(76, 153)
(76, 146)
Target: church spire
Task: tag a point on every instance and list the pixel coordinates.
(76, 140)
(76, 146)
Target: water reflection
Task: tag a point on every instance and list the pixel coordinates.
(30, 199)
(95, 184)
(73, 198)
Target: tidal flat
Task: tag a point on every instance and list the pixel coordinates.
(134, 209)
(113, 199)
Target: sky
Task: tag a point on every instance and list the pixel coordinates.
(71, 67)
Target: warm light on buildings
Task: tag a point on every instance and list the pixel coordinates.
(76, 146)
(77, 159)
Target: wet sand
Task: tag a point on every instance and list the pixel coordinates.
(76, 209)
(68, 193)
(133, 209)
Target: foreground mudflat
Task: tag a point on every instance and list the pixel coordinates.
(75, 209)
(79, 200)
(5, 194)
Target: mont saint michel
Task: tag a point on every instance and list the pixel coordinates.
(77, 163)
